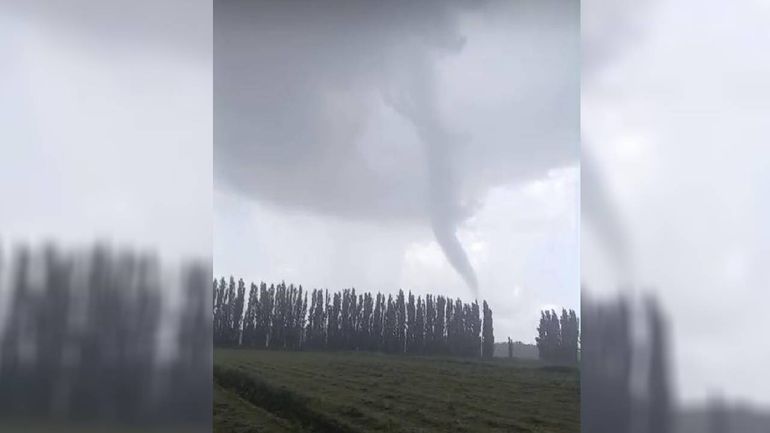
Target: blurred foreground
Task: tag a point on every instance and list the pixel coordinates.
(626, 384)
(103, 340)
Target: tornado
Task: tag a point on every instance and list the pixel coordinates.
(416, 102)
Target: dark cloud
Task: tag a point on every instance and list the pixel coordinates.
(341, 108)
(180, 29)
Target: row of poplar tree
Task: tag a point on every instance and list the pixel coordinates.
(290, 318)
(558, 337)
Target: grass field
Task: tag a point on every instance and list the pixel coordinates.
(266, 391)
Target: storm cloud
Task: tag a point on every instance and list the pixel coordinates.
(370, 111)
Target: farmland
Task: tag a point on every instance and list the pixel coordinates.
(277, 391)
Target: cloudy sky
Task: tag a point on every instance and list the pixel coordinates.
(106, 124)
(354, 139)
(675, 113)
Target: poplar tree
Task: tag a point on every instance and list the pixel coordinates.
(390, 327)
(488, 339)
(249, 318)
(419, 331)
(377, 342)
(439, 335)
(430, 325)
(366, 323)
(476, 329)
(345, 320)
(400, 322)
(411, 325)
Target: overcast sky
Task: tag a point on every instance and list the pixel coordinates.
(106, 124)
(353, 139)
(675, 112)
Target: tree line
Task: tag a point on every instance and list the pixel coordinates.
(288, 317)
(558, 336)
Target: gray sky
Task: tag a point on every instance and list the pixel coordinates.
(346, 132)
(106, 123)
(677, 119)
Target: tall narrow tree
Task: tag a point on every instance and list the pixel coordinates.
(419, 322)
(411, 324)
(488, 339)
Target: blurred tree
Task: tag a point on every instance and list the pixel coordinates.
(659, 394)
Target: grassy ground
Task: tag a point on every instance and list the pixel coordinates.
(264, 391)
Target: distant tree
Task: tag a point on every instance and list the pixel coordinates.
(419, 329)
(570, 332)
(268, 316)
(400, 322)
(411, 325)
(377, 342)
(565, 334)
(476, 330)
(449, 342)
(289, 302)
(558, 337)
(249, 318)
(356, 313)
(308, 341)
(229, 313)
(488, 344)
(237, 318)
(278, 320)
(334, 329)
(542, 340)
(439, 336)
(346, 322)
(465, 325)
(366, 323)
(262, 318)
(459, 334)
(327, 320)
(391, 326)
(430, 325)
(318, 327)
(468, 347)
(300, 312)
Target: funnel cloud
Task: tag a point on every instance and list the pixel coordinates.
(404, 116)
(417, 104)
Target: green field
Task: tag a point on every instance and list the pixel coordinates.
(267, 391)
